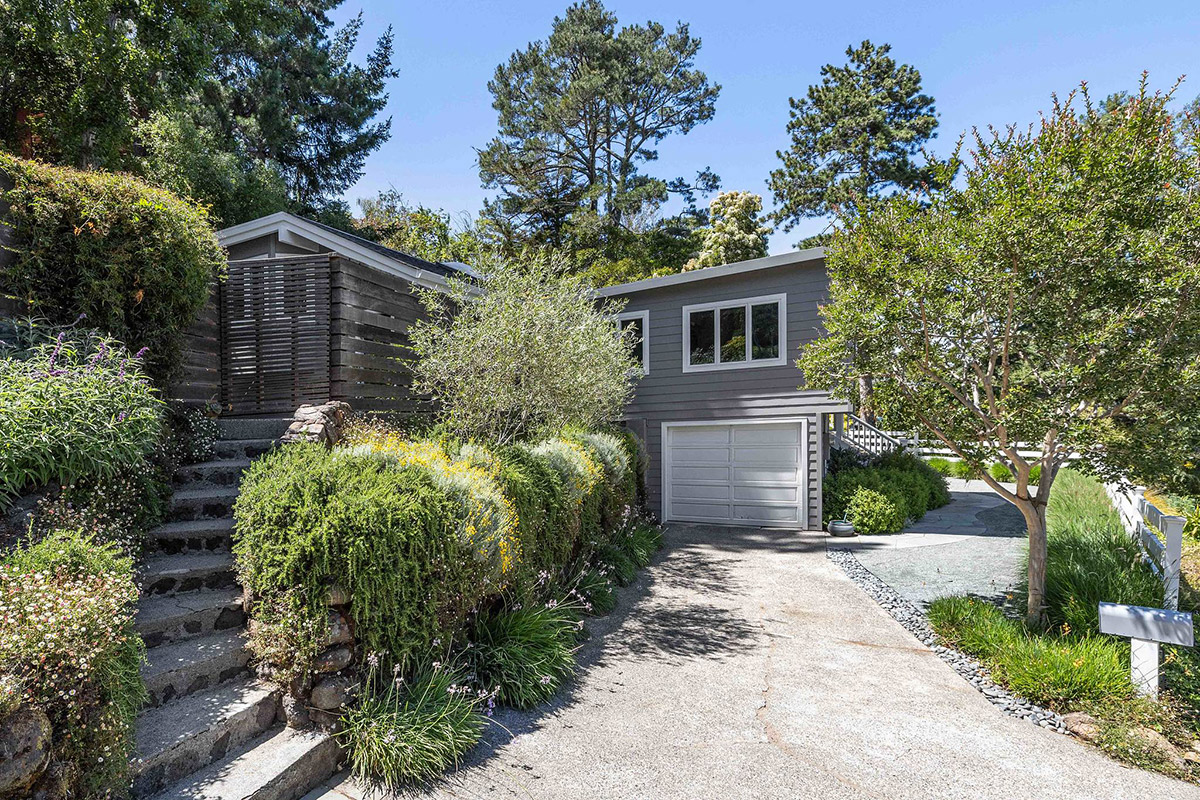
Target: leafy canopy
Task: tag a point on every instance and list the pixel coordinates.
(1051, 299)
(853, 136)
(580, 114)
(531, 354)
(734, 233)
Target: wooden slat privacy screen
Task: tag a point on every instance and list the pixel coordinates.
(304, 329)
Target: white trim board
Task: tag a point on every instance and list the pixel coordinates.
(747, 303)
(644, 316)
(737, 268)
(802, 471)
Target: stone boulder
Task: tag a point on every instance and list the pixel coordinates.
(24, 749)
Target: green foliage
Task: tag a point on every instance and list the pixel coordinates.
(1072, 231)
(853, 136)
(191, 433)
(640, 540)
(532, 355)
(579, 115)
(597, 592)
(614, 561)
(734, 233)
(406, 732)
(943, 466)
(76, 409)
(137, 261)
(1091, 557)
(422, 231)
(1062, 672)
(525, 653)
(874, 512)
(69, 642)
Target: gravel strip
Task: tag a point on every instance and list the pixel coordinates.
(913, 619)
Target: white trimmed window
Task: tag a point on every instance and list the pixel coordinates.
(640, 322)
(735, 334)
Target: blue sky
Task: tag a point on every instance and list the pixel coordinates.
(993, 63)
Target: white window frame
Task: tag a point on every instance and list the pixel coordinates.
(644, 316)
(716, 307)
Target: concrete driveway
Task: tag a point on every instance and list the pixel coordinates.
(743, 664)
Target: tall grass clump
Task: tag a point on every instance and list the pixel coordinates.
(75, 408)
(403, 732)
(69, 647)
(525, 653)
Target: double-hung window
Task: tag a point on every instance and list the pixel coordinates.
(735, 334)
(639, 321)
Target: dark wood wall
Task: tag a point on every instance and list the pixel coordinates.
(199, 379)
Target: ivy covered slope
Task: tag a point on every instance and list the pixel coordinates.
(136, 261)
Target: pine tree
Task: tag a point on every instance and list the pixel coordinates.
(853, 136)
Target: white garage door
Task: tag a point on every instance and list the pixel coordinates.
(735, 473)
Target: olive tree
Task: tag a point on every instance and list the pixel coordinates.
(523, 351)
(1050, 298)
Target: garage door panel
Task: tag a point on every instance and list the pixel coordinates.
(739, 473)
(766, 434)
(769, 494)
(770, 514)
(709, 492)
(700, 435)
(774, 475)
(770, 455)
(700, 455)
(713, 474)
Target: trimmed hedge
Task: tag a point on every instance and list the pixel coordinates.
(883, 495)
(136, 260)
(423, 534)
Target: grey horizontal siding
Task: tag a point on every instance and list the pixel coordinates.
(668, 394)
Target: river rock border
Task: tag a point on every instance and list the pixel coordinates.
(914, 620)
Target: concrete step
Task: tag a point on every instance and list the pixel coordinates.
(193, 535)
(209, 502)
(282, 765)
(176, 739)
(172, 618)
(187, 572)
(253, 427)
(223, 472)
(242, 448)
(177, 669)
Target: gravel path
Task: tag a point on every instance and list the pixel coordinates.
(746, 664)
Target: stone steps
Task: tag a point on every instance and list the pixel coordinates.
(282, 765)
(193, 535)
(187, 572)
(205, 502)
(171, 618)
(178, 738)
(222, 472)
(177, 669)
(242, 448)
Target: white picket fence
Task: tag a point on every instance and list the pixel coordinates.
(1160, 536)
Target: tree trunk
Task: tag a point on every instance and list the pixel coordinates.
(1035, 526)
(866, 399)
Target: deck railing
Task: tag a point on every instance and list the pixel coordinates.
(854, 433)
(1159, 534)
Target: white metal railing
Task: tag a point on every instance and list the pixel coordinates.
(849, 431)
(1145, 522)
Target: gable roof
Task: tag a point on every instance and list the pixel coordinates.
(295, 229)
(722, 271)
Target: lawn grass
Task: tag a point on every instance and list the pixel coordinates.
(1070, 666)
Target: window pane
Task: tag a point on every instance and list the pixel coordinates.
(701, 325)
(733, 334)
(765, 331)
(635, 346)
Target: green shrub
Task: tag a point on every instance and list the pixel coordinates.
(524, 654)
(69, 642)
(613, 561)
(596, 592)
(1062, 672)
(75, 409)
(405, 732)
(137, 261)
(910, 485)
(640, 540)
(1001, 472)
(941, 465)
(935, 482)
(307, 517)
(873, 512)
(964, 471)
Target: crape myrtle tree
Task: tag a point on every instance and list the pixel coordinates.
(523, 352)
(1050, 298)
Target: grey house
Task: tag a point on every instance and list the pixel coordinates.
(732, 435)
